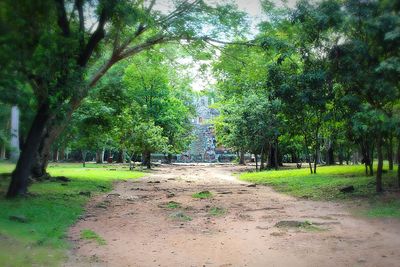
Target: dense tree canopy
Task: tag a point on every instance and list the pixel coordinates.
(325, 85)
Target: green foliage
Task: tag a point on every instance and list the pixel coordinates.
(41, 240)
(155, 101)
(147, 137)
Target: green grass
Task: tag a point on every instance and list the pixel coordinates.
(202, 195)
(50, 211)
(386, 209)
(326, 185)
(217, 211)
(92, 235)
(173, 205)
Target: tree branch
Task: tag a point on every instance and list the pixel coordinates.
(94, 40)
(62, 19)
(79, 7)
(148, 10)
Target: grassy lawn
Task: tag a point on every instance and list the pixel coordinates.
(326, 185)
(53, 207)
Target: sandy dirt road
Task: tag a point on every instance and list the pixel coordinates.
(140, 229)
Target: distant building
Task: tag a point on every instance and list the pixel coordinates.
(204, 147)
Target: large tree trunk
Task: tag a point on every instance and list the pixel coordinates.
(241, 158)
(390, 153)
(100, 156)
(20, 176)
(379, 187)
(43, 154)
(14, 144)
(51, 133)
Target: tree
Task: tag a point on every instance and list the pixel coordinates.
(57, 52)
(361, 61)
(148, 86)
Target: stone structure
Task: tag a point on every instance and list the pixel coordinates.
(204, 147)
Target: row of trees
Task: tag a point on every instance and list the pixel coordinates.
(137, 109)
(322, 84)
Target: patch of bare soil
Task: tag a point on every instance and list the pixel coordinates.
(156, 221)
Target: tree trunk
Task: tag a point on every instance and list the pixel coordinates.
(398, 161)
(330, 157)
(123, 156)
(3, 152)
(99, 156)
(256, 159)
(390, 153)
(56, 155)
(340, 155)
(308, 154)
(20, 176)
(355, 157)
(316, 156)
(131, 162)
(169, 158)
(379, 187)
(50, 134)
(146, 159)
(371, 165)
(43, 155)
(241, 158)
(14, 144)
(276, 161)
(315, 161)
(262, 158)
(84, 153)
(271, 156)
(293, 158)
(62, 153)
(366, 157)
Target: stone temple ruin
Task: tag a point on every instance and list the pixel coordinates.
(204, 147)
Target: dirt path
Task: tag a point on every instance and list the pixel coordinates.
(140, 230)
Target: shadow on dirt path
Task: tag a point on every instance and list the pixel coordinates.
(156, 221)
